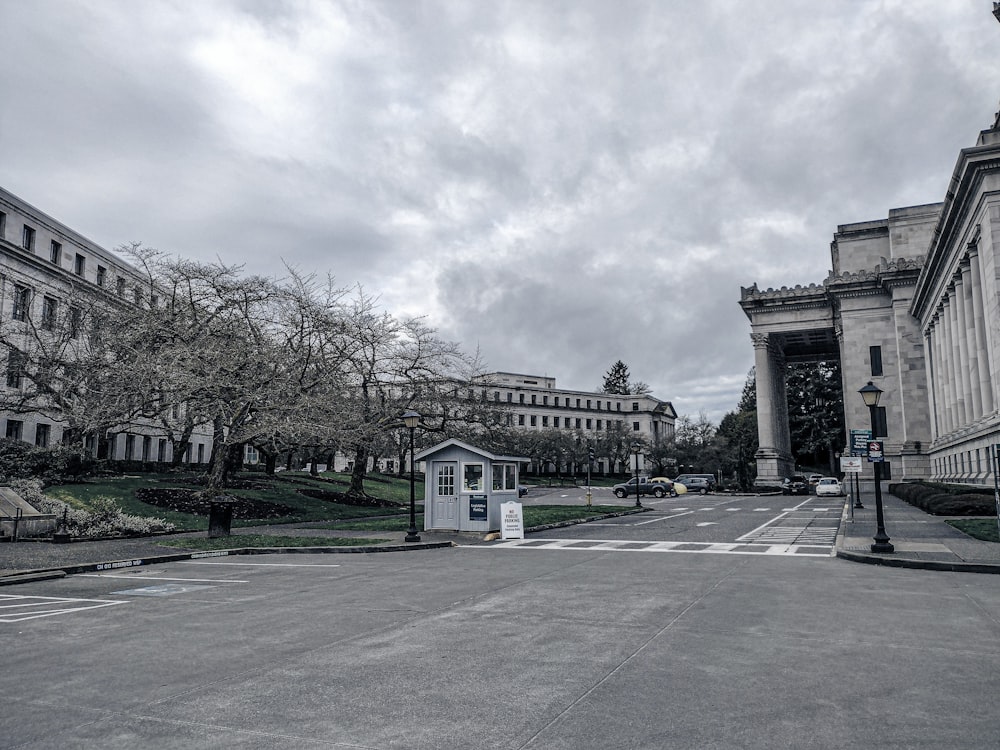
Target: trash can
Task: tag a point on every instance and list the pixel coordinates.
(220, 516)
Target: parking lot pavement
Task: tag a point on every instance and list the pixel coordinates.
(480, 648)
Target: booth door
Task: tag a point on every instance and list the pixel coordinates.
(445, 495)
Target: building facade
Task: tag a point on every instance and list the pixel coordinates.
(912, 304)
(46, 270)
(534, 402)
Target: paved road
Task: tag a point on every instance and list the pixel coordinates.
(494, 646)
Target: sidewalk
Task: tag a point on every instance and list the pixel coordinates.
(920, 539)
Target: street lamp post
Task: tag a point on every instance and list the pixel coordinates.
(635, 447)
(871, 394)
(411, 419)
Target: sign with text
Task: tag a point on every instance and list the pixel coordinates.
(875, 451)
(859, 441)
(511, 521)
(477, 507)
(850, 464)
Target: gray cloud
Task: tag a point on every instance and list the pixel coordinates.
(562, 184)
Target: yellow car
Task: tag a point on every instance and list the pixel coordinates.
(679, 489)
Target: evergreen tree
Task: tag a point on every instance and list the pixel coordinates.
(616, 380)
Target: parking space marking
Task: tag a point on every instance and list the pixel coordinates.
(160, 578)
(165, 589)
(259, 564)
(18, 608)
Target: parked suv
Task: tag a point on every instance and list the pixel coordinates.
(701, 483)
(646, 487)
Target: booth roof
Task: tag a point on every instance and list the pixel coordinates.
(459, 444)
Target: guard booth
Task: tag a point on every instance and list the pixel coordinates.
(464, 486)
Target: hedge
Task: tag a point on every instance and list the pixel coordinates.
(946, 500)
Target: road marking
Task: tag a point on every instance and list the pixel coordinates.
(58, 605)
(661, 518)
(160, 578)
(708, 523)
(165, 589)
(618, 545)
(259, 565)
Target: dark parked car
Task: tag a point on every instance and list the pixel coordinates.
(795, 485)
(646, 487)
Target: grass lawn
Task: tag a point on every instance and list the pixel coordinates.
(978, 528)
(267, 540)
(282, 489)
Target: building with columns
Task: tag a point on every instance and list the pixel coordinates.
(912, 304)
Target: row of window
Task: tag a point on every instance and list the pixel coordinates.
(503, 479)
(21, 310)
(43, 437)
(590, 403)
(79, 260)
(568, 423)
(43, 432)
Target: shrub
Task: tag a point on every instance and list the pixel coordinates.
(105, 517)
(946, 500)
(20, 460)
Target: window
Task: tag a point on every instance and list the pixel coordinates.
(129, 447)
(520, 420)
(578, 403)
(555, 421)
(161, 450)
(588, 403)
(510, 398)
(545, 421)
(545, 400)
(534, 420)
(578, 423)
(49, 311)
(55, 252)
(102, 275)
(446, 480)
(75, 318)
(201, 453)
(635, 427)
(15, 427)
(635, 406)
(120, 286)
(28, 239)
(598, 424)
(42, 433)
(520, 397)
(504, 477)
(881, 424)
(619, 406)
(496, 395)
(3, 224)
(534, 399)
(22, 297)
(590, 424)
(79, 265)
(557, 401)
(147, 445)
(875, 353)
(472, 477)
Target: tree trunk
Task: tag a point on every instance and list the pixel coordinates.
(358, 472)
(228, 460)
(270, 463)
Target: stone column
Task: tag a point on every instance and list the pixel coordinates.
(932, 397)
(950, 394)
(969, 337)
(773, 461)
(962, 343)
(979, 318)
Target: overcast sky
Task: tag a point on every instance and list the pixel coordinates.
(558, 184)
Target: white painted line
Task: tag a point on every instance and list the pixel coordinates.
(258, 565)
(662, 518)
(761, 510)
(53, 602)
(707, 523)
(730, 510)
(160, 578)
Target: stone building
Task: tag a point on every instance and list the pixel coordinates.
(912, 303)
(46, 269)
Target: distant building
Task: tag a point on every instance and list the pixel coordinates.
(912, 303)
(535, 403)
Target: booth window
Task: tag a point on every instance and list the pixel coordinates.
(472, 477)
(504, 477)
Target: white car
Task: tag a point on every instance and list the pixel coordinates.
(829, 486)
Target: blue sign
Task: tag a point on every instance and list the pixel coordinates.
(477, 508)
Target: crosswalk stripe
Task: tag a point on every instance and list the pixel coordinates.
(615, 545)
